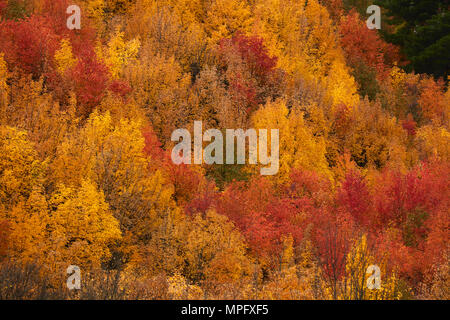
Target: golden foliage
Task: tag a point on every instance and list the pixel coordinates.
(82, 226)
(299, 148)
(118, 53)
(64, 57)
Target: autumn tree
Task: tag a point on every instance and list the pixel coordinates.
(82, 227)
(160, 88)
(215, 252)
(308, 152)
(28, 44)
(22, 202)
(368, 55)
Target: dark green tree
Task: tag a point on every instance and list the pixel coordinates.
(422, 29)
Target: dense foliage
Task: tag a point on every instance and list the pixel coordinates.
(86, 177)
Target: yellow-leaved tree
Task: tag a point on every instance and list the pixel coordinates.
(20, 170)
(302, 35)
(171, 29)
(118, 52)
(119, 6)
(216, 252)
(22, 202)
(82, 227)
(433, 141)
(302, 281)
(4, 88)
(64, 57)
(355, 282)
(298, 147)
(226, 17)
(95, 11)
(38, 112)
(109, 152)
(161, 88)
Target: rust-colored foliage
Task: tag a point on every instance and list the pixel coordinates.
(4, 232)
(90, 80)
(249, 68)
(354, 198)
(29, 44)
(363, 44)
